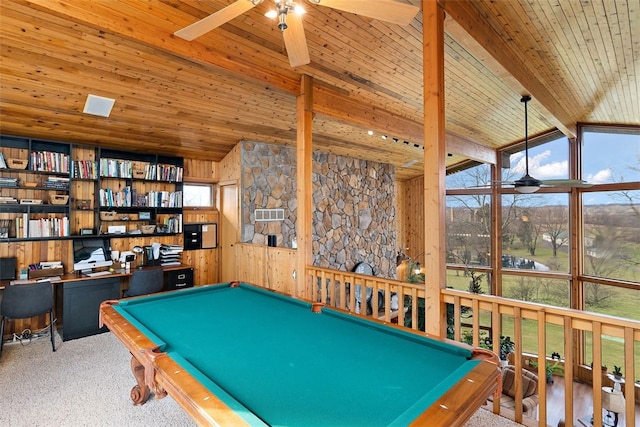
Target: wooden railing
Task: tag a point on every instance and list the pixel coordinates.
(339, 289)
(345, 290)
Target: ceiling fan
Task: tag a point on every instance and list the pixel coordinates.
(289, 16)
(528, 184)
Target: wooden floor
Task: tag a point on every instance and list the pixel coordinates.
(582, 405)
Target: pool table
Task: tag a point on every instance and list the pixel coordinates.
(237, 354)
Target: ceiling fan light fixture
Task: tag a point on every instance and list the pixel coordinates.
(527, 184)
(527, 189)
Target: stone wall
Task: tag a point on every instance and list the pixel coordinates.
(268, 181)
(354, 214)
(353, 211)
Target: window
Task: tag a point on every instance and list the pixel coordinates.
(198, 195)
(548, 159)
(612, 234)
(468, 223)
(609, 157)
(476, 176)
(535, 232)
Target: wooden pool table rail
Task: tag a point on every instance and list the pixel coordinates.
(158, 373)
(155, 372)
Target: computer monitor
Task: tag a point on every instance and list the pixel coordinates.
(91, 253)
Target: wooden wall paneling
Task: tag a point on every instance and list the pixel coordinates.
(205, 262)
(198, 216)
(249, 258)
(33, 252)
(203, 171)
(230, 165)
(414, 219)
(280, 268)
(206, 270)
(268, 267)
(401, 220)
(82, 190)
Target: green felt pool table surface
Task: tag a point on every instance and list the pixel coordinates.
(273, 361)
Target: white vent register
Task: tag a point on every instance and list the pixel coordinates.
(269, 215)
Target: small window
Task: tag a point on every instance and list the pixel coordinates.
(198, 195)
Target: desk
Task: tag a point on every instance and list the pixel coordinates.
(235, 354)
(78, 297)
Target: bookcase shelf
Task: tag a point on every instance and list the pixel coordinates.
(55, 184)
(34, 197)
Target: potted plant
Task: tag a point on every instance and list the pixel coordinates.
(617, 372)
(506, 346)
(550, 369)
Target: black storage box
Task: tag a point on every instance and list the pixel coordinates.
(7, 268)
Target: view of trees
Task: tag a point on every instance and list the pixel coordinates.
(536, 229)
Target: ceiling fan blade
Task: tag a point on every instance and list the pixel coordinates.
(578, 183)
(213, 21)
(295, 41)
(383, 10)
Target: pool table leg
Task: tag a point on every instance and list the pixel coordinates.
(140, 393)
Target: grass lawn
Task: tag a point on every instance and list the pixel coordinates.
(624, 303)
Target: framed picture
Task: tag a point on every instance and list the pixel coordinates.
(144, 215)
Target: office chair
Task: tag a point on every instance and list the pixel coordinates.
(145, 281)
(27, 300)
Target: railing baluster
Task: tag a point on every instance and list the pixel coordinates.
(573, 323)
(568, 371)
(629, 371)
(542, 352)
(596, 348)
(517, 335)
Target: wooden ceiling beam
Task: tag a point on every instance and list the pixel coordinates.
(468, 28)
(470, 149)
(93, 14)
(334, 104)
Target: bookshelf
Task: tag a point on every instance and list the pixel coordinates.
(34, 189)
(56, 190)
(138, 192)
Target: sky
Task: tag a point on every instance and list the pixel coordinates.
(607, 158)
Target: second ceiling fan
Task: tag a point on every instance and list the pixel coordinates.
(289, 16)
(528, 184)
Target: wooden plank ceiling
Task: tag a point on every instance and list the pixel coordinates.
(580, 60)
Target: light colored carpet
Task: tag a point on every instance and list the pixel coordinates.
(86, 382)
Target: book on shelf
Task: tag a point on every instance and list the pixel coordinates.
(3, 162)
(46, 227)
(116, 168)
(57, 182)
(49, 161)
(6, 181)
(84, 169)
(110, 198)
